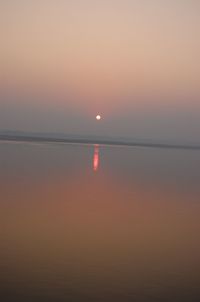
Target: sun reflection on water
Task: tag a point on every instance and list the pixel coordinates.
(96, 158)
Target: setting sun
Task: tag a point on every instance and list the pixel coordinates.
(98, 117)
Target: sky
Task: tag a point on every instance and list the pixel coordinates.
(135, 62)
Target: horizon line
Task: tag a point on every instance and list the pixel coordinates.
(97, 141)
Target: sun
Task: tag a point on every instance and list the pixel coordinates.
(98, 117)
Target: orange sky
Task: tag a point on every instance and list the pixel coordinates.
(100, 55)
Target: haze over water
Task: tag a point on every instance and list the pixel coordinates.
(97, 223)
(136, 63)
(91, 222)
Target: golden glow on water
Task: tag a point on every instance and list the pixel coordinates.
(131, 229)
(96, 158)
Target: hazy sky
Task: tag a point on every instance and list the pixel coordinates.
(136, 62)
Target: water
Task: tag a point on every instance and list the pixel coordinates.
(99, 223)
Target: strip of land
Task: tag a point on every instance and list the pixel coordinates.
(96, 141)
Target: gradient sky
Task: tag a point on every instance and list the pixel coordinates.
(134, 61)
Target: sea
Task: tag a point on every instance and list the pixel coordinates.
(99, 223)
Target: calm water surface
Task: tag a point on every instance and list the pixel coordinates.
(96, 223)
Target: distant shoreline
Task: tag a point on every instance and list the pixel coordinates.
(91, 141)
